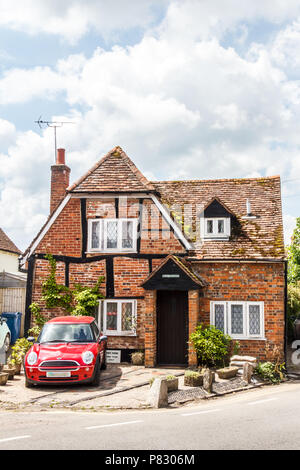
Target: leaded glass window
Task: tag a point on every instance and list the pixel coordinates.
(237, 319)
(113, 235)
(254, 320)
(126, 317)
(95, 234)
(127, 234)
(112, 316)
(220, 317)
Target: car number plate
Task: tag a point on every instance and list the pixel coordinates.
(58, 373)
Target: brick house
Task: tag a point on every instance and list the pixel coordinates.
(172, 253)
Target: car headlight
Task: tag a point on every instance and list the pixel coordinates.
(32, 358)
(87, 357)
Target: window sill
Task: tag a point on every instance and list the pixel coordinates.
(118, 333)
(216, 239)
(110, 252)
(248, 338)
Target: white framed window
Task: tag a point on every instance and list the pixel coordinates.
(117, 317)
(213, 228)
(240, 320)
(112, 235)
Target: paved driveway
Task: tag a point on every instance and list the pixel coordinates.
(121, 386)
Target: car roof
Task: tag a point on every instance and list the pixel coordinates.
(72, 319)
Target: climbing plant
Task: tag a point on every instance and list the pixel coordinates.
(81, 300)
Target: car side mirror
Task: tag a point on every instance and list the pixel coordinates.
(102, 338)
(31, 339)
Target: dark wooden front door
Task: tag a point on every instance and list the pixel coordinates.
(172, 327)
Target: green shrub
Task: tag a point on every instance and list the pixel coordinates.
(170, 377)
(20, 348)
(211, 345)
(270, 372)
(192, 374)
(236, 348)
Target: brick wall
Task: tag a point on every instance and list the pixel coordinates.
(262, 282)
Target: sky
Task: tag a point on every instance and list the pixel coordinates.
(190, 89)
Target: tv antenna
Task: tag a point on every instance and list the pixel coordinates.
(55, 125)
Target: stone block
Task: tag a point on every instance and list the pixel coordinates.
(158, 393)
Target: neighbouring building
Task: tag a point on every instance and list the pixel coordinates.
(172, 253)
(12, 281)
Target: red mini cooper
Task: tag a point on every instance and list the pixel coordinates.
(68, 349)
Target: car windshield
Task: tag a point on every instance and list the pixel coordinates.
(69, 333)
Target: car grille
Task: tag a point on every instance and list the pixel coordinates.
(61, 365)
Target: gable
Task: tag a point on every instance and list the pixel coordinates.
(173, 274)
(216, 209)
(113, 173)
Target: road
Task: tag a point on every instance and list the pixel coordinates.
(267, 418)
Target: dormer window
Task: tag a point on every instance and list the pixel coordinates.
(112, 235)
(215, 221)
(217, 228)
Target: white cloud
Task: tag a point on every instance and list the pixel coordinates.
(289, 224)
(72, 19)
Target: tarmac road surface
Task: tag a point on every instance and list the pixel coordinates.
(267, 418)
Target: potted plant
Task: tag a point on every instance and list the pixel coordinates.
(20, 348)
(172, 383)
(3, 377)
(193, 378)
(137, 358)
(10, 371)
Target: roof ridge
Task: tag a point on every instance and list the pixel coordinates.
(217, 179)
(116, 151)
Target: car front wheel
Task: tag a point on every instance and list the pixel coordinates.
(96, 379)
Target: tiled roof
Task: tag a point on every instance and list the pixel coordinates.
(113, 173)
(261, 237)
(6, 244)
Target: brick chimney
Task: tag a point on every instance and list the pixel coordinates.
(60, 175)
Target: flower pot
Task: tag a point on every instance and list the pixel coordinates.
(3, 378)
(172, 385)
(227, 372)
(193, 381)
(137, 359)
(18, 369)
(10, 371)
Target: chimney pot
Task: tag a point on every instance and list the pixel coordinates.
(60, 157)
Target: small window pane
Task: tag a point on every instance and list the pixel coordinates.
(127, 234)
(112, 234)
(220, 226)
(111, 316)
(237, 320)
(254, 320)
(95, 234)
(220, 317)
(209, 226)
(126, 323)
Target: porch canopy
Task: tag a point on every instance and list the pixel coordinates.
(173, 274)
